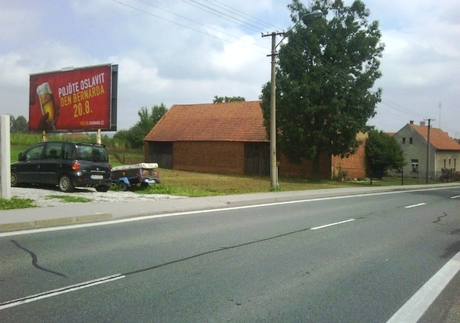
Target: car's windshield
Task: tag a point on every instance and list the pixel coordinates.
(92, 153)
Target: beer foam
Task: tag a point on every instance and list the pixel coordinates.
(43, 88)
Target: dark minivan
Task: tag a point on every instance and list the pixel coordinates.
(65, 164)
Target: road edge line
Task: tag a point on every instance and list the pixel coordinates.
(419, 303)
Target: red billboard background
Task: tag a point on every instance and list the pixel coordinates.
(82, 99)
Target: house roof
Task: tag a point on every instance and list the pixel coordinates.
(232, 121)
(438, 138)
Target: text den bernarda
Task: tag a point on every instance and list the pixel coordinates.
(83, 90)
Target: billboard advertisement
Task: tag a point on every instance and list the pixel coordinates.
(81, 99)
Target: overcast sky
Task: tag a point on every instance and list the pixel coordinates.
(188, 51)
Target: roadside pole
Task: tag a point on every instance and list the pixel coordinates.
(5, 157)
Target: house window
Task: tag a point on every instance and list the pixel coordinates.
(455, 163)
(444, 163)
(410, 140)
(404, 140)
(414, 164)
(449, 162)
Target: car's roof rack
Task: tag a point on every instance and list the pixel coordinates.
(75, 143)
(90, 144)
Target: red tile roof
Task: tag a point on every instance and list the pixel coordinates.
(438, 138)
(232, 121)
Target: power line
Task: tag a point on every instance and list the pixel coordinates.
(198, 23)
(185, 26)
(228, 13)
(239, 12)
(220, 14)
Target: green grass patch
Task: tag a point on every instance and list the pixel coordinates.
(191, 184)
(16, 203)
(69, 198)
(177, 191)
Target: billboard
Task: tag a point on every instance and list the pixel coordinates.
(81, 99)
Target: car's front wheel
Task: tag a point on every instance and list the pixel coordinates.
(102, 188)
(65, 184)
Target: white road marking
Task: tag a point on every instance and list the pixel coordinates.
(417, 305)
(455, 197)
(164, 215)
(414, 205)
(331, 224)
(103, 280)
(59, 291)
(430, 287)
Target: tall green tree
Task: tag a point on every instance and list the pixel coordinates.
(19, 124)
(383, 153)
(326, 71)
(134, 137)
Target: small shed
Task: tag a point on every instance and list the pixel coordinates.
(225, 138)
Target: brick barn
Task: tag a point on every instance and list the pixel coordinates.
(229, 138)
(223, 138)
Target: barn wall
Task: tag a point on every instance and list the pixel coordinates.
(209, 157)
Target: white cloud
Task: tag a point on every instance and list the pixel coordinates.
(176, 52)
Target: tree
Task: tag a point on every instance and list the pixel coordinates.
(220, 99)
(325, 73)
(19, 124)
(134, 137)
(383, 153)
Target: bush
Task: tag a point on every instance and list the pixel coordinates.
(457, 176)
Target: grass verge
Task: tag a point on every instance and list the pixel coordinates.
(16, 203)
(181, 183)
(69, 198)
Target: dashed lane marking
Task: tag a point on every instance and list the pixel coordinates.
(331, 224)
(59, 291)
(414, 205)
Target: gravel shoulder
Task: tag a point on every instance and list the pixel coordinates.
(43, 196)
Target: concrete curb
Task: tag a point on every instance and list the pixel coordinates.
(28, 225)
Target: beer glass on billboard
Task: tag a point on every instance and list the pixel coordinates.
(47, 106)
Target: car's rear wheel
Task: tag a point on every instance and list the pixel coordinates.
(14, 179)
(65, 184)
(102, 188)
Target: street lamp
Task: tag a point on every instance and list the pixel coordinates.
(273, 167)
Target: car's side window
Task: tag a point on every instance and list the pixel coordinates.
(34, 153)
(53, 150)
(69, 151)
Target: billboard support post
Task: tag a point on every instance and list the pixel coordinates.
(99, 137)
(43, 135)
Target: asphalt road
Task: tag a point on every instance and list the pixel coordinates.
(354, 259)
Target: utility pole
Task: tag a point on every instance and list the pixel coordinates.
(273, 168)
(428, 152)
